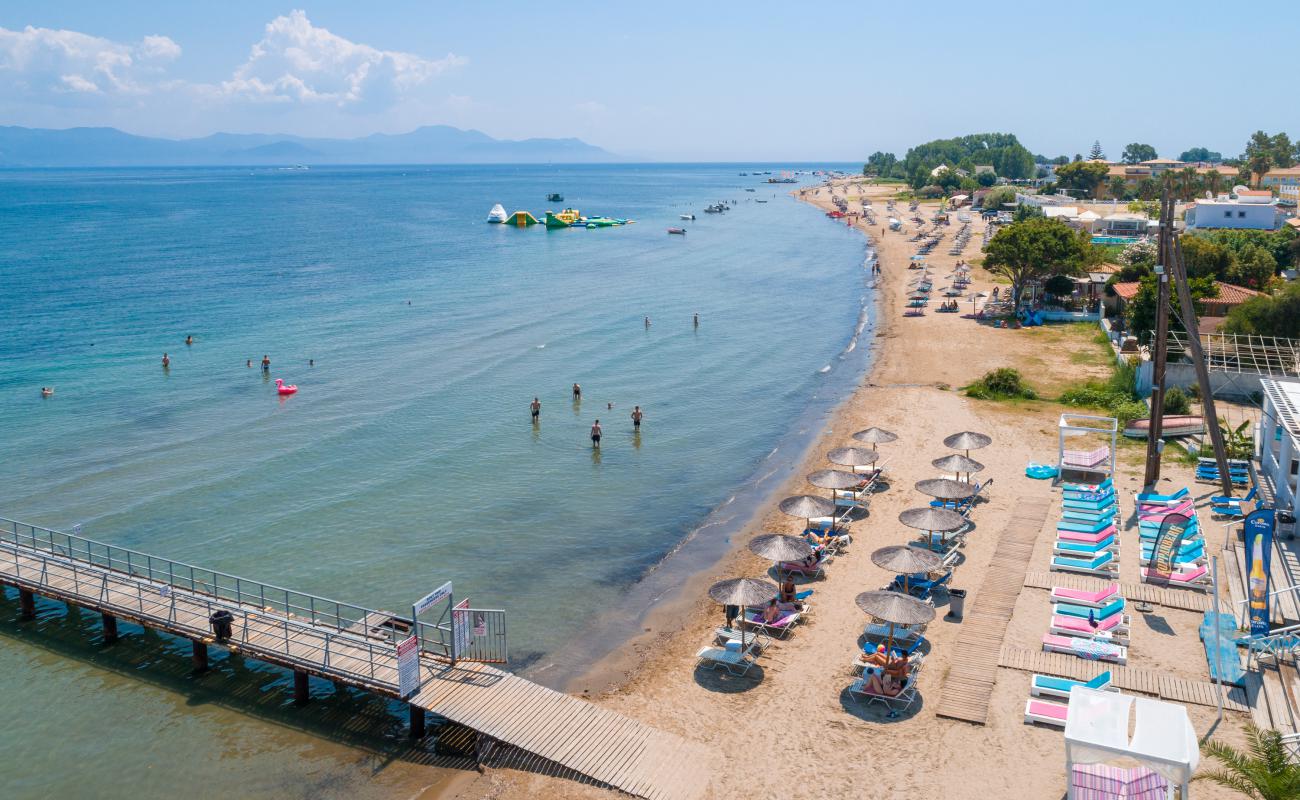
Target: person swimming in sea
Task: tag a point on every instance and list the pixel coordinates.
(595, 434)
(647, 322)
(249, 363)
(311, 362)
(266, 363)
(47, 391)
(189, 340)
(166, 361)
(697, 319)
(636, 417)
(536, 408)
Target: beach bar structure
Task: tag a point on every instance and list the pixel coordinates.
(444, 667)
(1097, 460)
(1279, 440)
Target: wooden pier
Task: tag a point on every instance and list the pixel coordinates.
(354, 646)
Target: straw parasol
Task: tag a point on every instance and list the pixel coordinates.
(780, 547)
(742, 592)
(958, 464)
(906, 560)
(852, 456)
(807, 506)
(874, 436)
(896, 609)
(835, 479)
(945, 488)
(933, 520)
(968, 441)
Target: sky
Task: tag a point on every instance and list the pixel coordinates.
(664, 80)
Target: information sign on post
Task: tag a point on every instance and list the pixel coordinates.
(429, 600)
(408, 666)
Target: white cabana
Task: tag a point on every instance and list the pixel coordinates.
(1097, 731)
(1080, 457)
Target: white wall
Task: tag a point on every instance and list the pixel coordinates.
(1257, 217)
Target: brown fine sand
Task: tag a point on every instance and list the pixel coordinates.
(790, 730)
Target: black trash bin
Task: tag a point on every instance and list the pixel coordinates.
(956, 603)
(222, 624)
(1286, 524)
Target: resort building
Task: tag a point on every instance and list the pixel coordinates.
(1124, 224)
(1277, 178)
(1279, 440)
(1248, 209)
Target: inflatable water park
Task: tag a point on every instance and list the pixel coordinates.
(568, 218)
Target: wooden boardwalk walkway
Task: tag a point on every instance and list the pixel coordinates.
(575, 735)
(1146, 681)
(969, 683)
(1185, 599)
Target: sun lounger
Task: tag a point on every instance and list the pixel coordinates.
(1162, 499)
(1084, 527)
(906, 695)
(1158, 512)
(1114, 606)
(1076, 536)
(1048, 686)
(1080, 515)
(779, 627)
(732, 661)
(1088, 487)
(1236, 501)
(921, 586)
(1116, 625)
(1196, 578)
(1085, 648)
(817, 570)
(755, 641)
(1046, 713)
(1188, 552)
(1105, 564)
(1084, 549)
(1086, 503)
(1079, 597)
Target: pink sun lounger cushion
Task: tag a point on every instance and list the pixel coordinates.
(1090, 538)
(1088, 598)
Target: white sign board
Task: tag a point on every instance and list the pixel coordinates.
(408, 666)
(462, 627)
(429, 600)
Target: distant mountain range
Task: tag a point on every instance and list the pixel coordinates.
(435, 144)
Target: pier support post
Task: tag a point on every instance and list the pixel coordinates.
(417, 721)
(26, 604)
(300, 693)
(110, 628)
(199, 656)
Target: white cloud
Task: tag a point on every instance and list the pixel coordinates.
(297, 62)
(60, 66)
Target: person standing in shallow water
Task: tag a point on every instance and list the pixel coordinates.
(266, 363)
(166, 361)
(595, 434)
(636, 417)
(577, 392)
(536, 408)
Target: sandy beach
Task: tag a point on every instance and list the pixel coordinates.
(790, 729)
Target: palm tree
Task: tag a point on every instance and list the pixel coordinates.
(1263, 772)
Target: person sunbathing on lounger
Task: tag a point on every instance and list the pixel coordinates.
(885, 686)
(771, 613)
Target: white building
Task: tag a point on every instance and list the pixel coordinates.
(1279, 442)
(1246, 208)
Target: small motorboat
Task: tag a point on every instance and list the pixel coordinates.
(749, 190)
(555, 197)
(687, 216)
(497, 214)
(681, 231)
(284, 389)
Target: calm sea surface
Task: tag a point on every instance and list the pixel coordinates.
(407, 457)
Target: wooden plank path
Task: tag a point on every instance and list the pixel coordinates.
(575, 735)
(1146, 681)
(969, 683)
(1185, 599)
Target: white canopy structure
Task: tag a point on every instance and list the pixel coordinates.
(1098, 459)
(1163, 740)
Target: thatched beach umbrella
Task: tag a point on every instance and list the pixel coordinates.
(945, 488)
(807, 506)
(958, 464)
(835, 479)
(742, 592)
(906, 560)
(874, 436)
(896, 609)
(779, 547)
(968, 441)
(853, 456)
(933, 520)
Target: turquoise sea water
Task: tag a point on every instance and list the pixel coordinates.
(407, 457)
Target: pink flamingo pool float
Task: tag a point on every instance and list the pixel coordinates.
(285, 390)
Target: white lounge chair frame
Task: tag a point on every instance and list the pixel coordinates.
(1082, 424)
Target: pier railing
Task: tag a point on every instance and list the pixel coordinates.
(314, 612)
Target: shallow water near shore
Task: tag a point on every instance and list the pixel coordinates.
(407, 457)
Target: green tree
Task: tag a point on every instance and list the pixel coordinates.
(1037, 248)
(1026, 211)
(1141, 311)
(1136, 153)
(1253, 267)
(1002, 151)
(1061, 161)
(1059, 285)
(1201, 154)
(1214, 181)
(1268, 315)
(996, 198)
(1096, 153)
(986, 179)
(1117, 188)
(880, 163)
(1264, 771)
(1283, 152)
(1148, 189)
(1204, 258)
(1084, 177)
(1258, 158)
